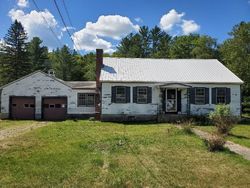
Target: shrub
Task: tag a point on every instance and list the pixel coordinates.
(215, 143)
(222, 118)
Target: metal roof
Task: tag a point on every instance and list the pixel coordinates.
(71, 84)
(81, 84)
(166, 70)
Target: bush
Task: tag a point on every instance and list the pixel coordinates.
(223, 119)
(215, 143)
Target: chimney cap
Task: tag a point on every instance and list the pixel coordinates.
(99, 50)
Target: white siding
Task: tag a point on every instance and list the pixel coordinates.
(235, 105)
(131, 108)
(40, 85)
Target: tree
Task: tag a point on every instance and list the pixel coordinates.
(160, 43)
(193, 46)
(130, 46)
(145, 41)
(205, 47)
(14, 61)
(182, 46)
(62, 62)
(235, 53)
(38, 55)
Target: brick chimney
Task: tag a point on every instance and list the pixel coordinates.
(99, 64)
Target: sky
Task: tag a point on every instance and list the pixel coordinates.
(103, 23)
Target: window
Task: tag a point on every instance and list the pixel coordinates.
(199, 95)
(142, 95)
(86, 99)
(57, 105)
(221, 95)
(120, 95)
(51, 106)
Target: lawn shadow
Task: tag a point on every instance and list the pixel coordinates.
(238, 136)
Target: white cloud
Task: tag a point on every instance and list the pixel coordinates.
(86, 40)
(110, 26)
(174, 21)
(35, 25)
(68, 27)
(23, 3)
(138, 19)
(189, 26)
(170, 19)
(113, 26)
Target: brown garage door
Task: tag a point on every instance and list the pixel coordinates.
(54, 108)
(22, 107)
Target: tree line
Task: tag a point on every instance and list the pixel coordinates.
(19, 57)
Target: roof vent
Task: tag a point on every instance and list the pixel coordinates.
(51, 72)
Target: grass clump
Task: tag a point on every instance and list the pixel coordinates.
(187, 126)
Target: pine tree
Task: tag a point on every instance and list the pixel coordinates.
(15, 62)
(38, 55)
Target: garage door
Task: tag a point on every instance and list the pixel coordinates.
(54, 108)
(22, 107)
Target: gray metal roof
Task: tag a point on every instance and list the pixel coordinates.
(81, 84)
(166, 70)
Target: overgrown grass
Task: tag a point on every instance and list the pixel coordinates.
(94, 154)
(240, 134)
(10, 123)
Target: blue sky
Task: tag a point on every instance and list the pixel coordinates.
(110, 20)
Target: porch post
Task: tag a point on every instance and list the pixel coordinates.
(188, 101)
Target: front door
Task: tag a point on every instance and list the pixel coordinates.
(171, 100)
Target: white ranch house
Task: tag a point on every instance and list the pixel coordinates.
(126, 89)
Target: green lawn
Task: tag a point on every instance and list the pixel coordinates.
(94, 154)
(240, 134)
(9, 123)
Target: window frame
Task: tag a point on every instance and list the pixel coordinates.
(224, 97)
(85, 101)
(201, 98)
(118, 98)
(142, 96)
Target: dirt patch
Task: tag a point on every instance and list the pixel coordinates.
(16, 131)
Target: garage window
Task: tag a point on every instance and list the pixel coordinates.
(51, 106)
(86, 99)
(27, 105)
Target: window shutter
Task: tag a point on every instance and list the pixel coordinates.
(134, 94)
(113, 94)
(206, 95)
(179, 101)
(127, 94)
(192, 95)
(213, 95)
(149, 95)
(228, 96)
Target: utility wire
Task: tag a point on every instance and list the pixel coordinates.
(67, 13)
(57, 7)
(50, 28)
